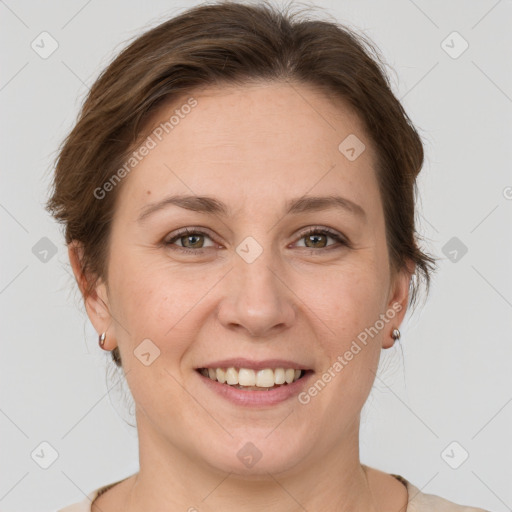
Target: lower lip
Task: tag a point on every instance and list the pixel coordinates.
(257, 398)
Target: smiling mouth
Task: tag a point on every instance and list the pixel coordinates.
(253, 380)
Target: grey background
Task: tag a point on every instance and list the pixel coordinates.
(449, 381)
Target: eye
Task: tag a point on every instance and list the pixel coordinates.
(317, 235)
(190, 240)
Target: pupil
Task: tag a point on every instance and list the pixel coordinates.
(191, 237)
(312, 237)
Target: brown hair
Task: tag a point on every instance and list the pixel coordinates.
(233, 43)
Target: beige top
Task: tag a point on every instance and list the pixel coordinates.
(416, 502)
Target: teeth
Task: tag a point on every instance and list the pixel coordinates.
(221, 375)
(279, 376)
(265, 378)
(246, 377)
(231, 376)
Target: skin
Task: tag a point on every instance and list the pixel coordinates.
(252, 148)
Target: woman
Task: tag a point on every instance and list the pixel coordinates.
(238, 200)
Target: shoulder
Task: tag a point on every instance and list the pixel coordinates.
(85, 504)
(422, 502)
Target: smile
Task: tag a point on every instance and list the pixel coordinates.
(253, 380)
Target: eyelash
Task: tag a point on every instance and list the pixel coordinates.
(314, 230)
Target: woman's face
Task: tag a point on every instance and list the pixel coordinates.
(247, 282)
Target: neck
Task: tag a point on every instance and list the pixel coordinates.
(172, 479)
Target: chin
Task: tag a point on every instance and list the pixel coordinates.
(251, 456)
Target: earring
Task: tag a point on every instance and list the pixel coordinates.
(395, 334)
(101, 339)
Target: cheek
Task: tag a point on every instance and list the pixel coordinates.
(146, 298)
(356, 299)
(145, 288)
(156, 301)
(353, 296)
(352, 354)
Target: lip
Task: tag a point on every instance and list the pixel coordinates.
(255, 365)
(257, 398)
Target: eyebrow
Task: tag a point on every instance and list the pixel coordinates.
(212, 206)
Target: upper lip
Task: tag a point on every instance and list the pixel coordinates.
(241, 362)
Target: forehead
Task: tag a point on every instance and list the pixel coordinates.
(278, 115)
(263, 140)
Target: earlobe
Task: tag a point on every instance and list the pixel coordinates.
(397, 306)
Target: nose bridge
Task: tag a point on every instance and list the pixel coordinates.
(254, 268)
(258, 299)
(258, 277)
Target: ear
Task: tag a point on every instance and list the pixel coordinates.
(398, 302)
(96, 301)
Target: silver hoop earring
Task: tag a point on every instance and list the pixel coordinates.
(101, 339)
(395, 334)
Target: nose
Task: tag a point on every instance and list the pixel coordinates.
(257, 300)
